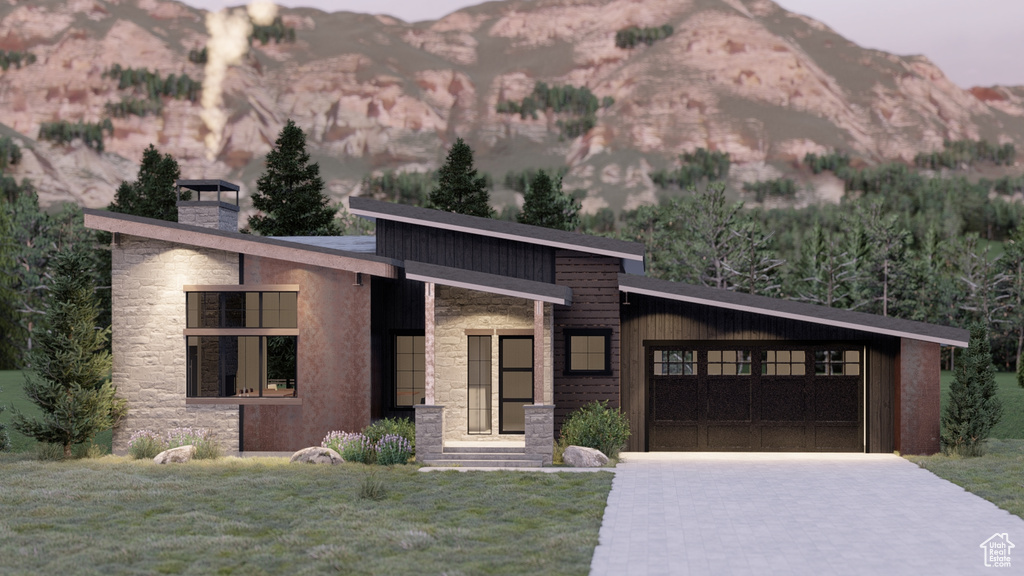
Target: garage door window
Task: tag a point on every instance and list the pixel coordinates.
(784, 363)
(837, 363)
(729, 362)
(675, 362)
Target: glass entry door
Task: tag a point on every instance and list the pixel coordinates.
(515, 383)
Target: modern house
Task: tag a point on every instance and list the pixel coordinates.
(486, 330)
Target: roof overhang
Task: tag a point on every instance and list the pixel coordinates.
(516, 232)
(799, 311)
(239, 243)
(490, 283)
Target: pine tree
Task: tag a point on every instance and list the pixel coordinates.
(289, 194)
(973, 407)
(5, 440)
(1013, 268)
(152, 194)
(70, 365)
(459, 189)
(11, 332)
(548, 206)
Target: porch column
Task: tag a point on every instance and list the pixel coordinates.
(428, 343)
(538, 352)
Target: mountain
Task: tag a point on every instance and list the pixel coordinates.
(374, 93)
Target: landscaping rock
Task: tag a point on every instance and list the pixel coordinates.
(581, 457)
(317, 455)
(176, 455)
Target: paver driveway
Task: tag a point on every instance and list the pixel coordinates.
(718, 513)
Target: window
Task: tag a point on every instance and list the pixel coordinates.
(410, 370)
(836, 362)
(242, 309)
(784, 363)
(729, 362)
(479, 384)
(515, 382)
(675, 362)
(588, 351)
(241, 366)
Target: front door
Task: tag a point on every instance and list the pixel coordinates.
(515, 382)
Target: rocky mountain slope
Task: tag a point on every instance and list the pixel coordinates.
(373, 93)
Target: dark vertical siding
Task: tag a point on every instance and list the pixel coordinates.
(475, 252)
(595, 304)
(649, 318)
(396, 305)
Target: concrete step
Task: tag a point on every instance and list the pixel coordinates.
(485, 463)
(481, 448)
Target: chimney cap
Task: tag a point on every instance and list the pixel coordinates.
(200, 186)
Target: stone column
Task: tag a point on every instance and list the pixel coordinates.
(430, 431)
(540, 431)
(428, 343)
(538, 352)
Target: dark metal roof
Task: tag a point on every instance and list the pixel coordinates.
(496, 228)
(361, 244)
(207, 185)
(491, 283)
(793, 310)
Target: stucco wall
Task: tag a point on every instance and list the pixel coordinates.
(918, 397)
(457, 310)
(147, 342)
(333, 358)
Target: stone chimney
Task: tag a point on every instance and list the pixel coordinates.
(211, 205)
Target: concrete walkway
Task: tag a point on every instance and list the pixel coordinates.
(814, 514)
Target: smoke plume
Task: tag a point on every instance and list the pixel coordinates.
(228, 44)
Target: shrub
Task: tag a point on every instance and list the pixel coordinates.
(48, 451)
(373, 488)
(145, 444)
(358, 448)
(597, 426)
(403, 427)
(393, 449)
(202, 439)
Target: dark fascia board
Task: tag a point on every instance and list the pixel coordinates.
(176, 233)
(490, 283)
(799, 311)
(515, 231)
(207, 185)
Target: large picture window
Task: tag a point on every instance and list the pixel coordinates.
(588, 352)
(242, 309)
(410, 370)
(479, 385)
(242, 367)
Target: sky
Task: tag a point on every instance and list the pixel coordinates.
(975, 42)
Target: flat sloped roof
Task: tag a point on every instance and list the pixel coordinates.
(360, 244)
(793, 310)
(490, 283)
(515, 231)
(240, 243)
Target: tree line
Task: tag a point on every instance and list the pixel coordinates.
(629, 37)
(578, 102)
(15, 58)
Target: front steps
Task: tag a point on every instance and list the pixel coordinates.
(480, 454)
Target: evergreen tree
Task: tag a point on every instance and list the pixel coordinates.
(153, 193)
(459, 189)
(753, 265)
(11, 332)
(70, 365)
(825, 273)
(548, 206)
(1013, 269)
(5, 440)
(973, 407)
(289, 195)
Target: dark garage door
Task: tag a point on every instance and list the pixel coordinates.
(755, 397)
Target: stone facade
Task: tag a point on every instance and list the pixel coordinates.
(429, 431)
(216, 215)
(540, 431)
(147, 336)
(457, 310)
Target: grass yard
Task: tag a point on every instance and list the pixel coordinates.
(996, 476)
(1012, 424)
(11, 395)
(256, 516)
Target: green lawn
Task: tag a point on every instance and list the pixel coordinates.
(1012, 423)
(11, 395)
(255, 516)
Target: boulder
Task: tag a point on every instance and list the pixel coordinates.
(176, 455)
(581, 457)
(317, 455)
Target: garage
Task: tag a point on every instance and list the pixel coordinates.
(756, 396)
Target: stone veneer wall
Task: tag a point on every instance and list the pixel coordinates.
(216, 215)
(457, 310)
(147, 340)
